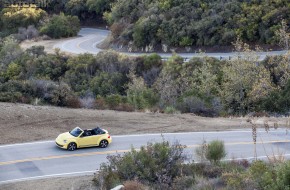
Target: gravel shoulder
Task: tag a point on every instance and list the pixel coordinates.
(56, 183)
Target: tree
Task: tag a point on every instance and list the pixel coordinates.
(283, 36)
(245, 80)
(170, 84)
(99, 6)
(15, 17)
(10, 51)
(193, 22)
(138, 94)
(107, 83)
(61, 26)
(81, 69)
(77, 8)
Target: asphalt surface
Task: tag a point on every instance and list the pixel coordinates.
(44, 159)
(88, 38)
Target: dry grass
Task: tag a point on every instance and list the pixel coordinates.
(25, 123)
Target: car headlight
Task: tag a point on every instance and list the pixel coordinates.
(64, 141)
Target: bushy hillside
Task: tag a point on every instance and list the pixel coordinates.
(109, 80)
(196, 22)
(179, 23)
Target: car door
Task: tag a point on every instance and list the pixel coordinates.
(86, 141)
(96, 139)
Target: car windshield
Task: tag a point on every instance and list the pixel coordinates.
(76, 132)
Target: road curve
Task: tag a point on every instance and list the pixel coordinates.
(88, 38)
(43, 159)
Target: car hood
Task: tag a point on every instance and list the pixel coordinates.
(65, 136)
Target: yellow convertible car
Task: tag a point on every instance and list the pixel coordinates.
(78, 138)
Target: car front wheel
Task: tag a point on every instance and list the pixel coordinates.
(72, 146)
(104, 143)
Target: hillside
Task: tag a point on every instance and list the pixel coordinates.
(110, 80)
(186, 23)
(158, 24)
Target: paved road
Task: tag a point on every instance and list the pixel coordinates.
(43, 159)
(90, 37)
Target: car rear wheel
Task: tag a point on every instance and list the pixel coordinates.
(72, 146)
(104, 143)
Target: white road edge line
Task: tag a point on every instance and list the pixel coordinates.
(46, 176)
(138, 135)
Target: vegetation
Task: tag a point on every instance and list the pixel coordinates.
(163, 165)
(157, 164)
(195, 22)
(204, 86)
(215, 151)
(13, 18)
(144, 25)
(61, 26)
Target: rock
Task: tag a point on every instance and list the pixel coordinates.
(119, 187)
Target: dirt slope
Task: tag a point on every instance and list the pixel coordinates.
(24, 123)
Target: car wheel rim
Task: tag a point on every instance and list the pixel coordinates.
(104, 144)
(72, 147)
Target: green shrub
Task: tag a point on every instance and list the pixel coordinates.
(237, 180)
(150, 61)
(258, 172)
(106, 178)
(278, 101)
(58, 94)
(158, 164)
(215, 151)
(282, 180)
(16, 91)
(15, 17)
(61, 26)
(183, 182)
(139, 95)
(108, 83)
(171, 110)
(186, 41)
(206, 106)
(114, 100)
(10, 96)
(271, 177)
(208, 170)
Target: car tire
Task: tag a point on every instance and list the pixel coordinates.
(72, 146)
(104, 143)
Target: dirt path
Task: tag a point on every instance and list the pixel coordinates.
(24, 123)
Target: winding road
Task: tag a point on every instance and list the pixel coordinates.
(44, 159)
(88, 38)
